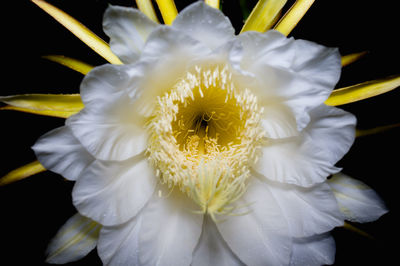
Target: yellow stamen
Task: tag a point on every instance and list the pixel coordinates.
(71, 63)
(168, 10)
(80, 31)
(214, 195)
(22, 172)
(147, 8)
(363, 91)
(351, 58)
(204, 136)
(293, 16)
(264, 15)
(57, 105)
(213, 3)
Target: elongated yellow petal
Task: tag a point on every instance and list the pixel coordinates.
(351, 58)
(57, 105)
(363, 91)
(375, 130)
(213, 3)
(60, 114)
(80, 31)
(263, 15)
(168, 10)
(293, 16)
(71, 63)
(357, 230)
(22, 172)
(147, 8)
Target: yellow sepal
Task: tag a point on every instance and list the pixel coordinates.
(263, 15)
(213, 3)
(22, 172)
(57, 105)
(80, 31)
(293, 16)
(351, 58)
(363, 91)
(375, 130)
(147, 8)
(356, 230)
(71, 63)
(168, 10)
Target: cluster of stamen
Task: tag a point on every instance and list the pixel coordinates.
(204, 136)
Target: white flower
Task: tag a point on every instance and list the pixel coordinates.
(206, 148)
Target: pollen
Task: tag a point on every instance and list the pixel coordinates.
(205, 134)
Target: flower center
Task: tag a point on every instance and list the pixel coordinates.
(204, 136)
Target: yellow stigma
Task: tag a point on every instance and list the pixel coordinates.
(205, 134)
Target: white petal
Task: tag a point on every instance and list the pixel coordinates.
(294, 161)
(205, 24)
(128, 29)
(271, 48)
(332, 130)
(320, 64)
(119, 245)
(109, 126)
(259, 236)
(212, 248)
(357, 201)
(104, 81)
(317, 71)
(165, 42)
(301, 74)
(167, 55)
(278, 121)
(308, 211)
(313, 251)
(106, 136)
(310, 158)
(113, 192)
(170, 230)
(75, 239)
(59, 151)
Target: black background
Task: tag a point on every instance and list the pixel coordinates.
(32, 210)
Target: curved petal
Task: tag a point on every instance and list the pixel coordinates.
(104, 136)
(212, 248)
(269, 48)
(205, 24)
(119, 245)
(128, 29)
(59, 151)
(109, 126)
(278, 121)
(113, 192)
(75, 239)
(170, 229)
(309, 158)
(294, 161)
(259, 236)
(313, 251)
(104, 81)
(165, 47)
(308, 211)
(299, 73)
(333, 130)
(357, 201)
(320, 64)
(169, 43)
